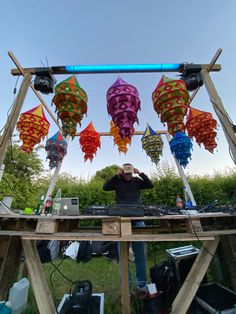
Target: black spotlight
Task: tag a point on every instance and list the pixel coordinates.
(44, 81)
(192, 77)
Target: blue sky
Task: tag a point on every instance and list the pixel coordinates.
(118, 32)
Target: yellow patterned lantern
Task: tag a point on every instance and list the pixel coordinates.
(33, 127)
(152, 144)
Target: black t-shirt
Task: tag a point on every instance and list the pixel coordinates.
(128, 192)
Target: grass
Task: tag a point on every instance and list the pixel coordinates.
(103, 274)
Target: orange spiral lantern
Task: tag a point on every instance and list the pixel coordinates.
(170, 99)
(89, 141)
(120, 142)
(202, 126)
(33, 127)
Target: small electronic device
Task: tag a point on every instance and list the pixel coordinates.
(69, 206)
(126, 210)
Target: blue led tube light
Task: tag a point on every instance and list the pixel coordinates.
(128, 68)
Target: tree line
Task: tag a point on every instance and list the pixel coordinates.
(26, 180)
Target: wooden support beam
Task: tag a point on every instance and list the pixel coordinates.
(37, 278)
(126, 228)
(10, 266)
(191, 284)
(13, 117)
(225, 121)
(124, 278)
(46, 226)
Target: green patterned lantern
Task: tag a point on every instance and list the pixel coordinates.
(71, 104)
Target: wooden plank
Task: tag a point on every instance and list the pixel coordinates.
(110, 226)
(37, 278)
(125, 228)
(46, 226)
(10, 266)
(124, 278)
(194, 225)
(191, 284)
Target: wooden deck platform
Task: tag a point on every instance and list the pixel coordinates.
(24, 230)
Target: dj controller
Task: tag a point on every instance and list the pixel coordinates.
(131, 210)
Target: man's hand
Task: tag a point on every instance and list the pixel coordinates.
(137, 171)
(120, 171)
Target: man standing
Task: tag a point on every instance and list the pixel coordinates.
(128, 191)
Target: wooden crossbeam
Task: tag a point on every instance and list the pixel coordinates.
(37, 278)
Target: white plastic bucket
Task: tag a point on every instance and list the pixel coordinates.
(18, 295)
(7, 200)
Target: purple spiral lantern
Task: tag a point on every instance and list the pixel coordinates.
(123, 104)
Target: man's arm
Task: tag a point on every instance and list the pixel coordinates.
(145, 183)
(110, 184)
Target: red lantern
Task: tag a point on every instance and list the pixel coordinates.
(123, 104)
(170, 99)
(71, 104)
(121, 143)
(202, 126)
(33, 127)
(89, 141)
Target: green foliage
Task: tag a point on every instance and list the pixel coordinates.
(21, 172)
(106, 173)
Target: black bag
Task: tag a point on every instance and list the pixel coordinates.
(43, 251)
(85, 252)
(163, 277)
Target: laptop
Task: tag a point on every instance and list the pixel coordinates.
(69, 206)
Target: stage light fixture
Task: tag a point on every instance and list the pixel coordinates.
(44, 81)
(192, 77)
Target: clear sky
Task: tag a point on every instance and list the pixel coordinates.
(118, 32)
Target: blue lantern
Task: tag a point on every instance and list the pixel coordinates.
(56, 148)
(181, 146)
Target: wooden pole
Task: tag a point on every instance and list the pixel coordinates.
(13, 117)
(21, 70)
(124, 278)
(223, 116)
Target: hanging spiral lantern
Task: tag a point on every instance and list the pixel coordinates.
(202, 126)
(89, 141)
(152, 144)
(56, 148)
(123, 104)
(181, 146)
(33, 127)
(71, 104)
(121, 143)
(170, 99)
